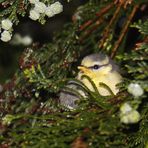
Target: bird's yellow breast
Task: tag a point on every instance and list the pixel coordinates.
(111, 79)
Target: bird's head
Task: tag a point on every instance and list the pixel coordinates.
(96, 65)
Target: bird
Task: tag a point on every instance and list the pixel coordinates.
(100, 69)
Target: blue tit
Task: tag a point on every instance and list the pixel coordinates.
(100, 69)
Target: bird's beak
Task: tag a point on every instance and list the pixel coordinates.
(83, 69)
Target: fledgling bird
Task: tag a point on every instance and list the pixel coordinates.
(100, 68)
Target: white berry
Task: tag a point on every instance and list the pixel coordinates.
(34, 15)
(56, 7)
(125, 108)
(6, 24)
(135, 89)
(40, 7)
(131, 117)
(49, 12)
(6, 36)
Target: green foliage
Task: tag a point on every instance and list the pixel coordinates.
(142, 27)
(37, 77)
(138, 58)
(14, 9)
(30, 113)
(136, 65)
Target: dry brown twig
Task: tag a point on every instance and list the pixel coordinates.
(127, 2)
(88, 32)
(107, 29)
(95, 22)
(99, 14)
(123, 32)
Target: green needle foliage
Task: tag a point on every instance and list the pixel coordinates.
(31, 115)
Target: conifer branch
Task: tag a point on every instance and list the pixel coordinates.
(91, 30)
(98, 14)
(31, 113)
(107, 29)
(123, 32)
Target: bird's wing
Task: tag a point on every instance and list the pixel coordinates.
(68, 98)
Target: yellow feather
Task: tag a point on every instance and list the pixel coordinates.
(105, 75)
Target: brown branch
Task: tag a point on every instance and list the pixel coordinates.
(85, 25)
(123, 32)
(119, 98)
(100, 13)
(88, 32)
(127, 2)
(107, 29)
(139, 44)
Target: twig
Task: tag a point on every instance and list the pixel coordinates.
(100, 13)
(88, 32)
(139, 44)
(106, 31)
(119, 98)
(123, 32)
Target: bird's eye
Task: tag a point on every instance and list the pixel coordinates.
(96, 67)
